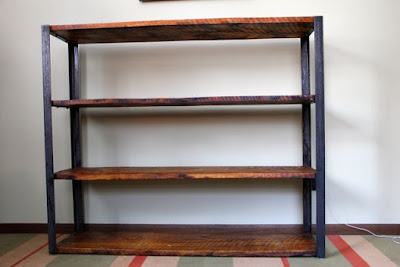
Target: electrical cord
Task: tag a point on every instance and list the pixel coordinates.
(393, 238)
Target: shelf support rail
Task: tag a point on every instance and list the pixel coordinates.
(76, 152)
(48, 139)
(306, 114)
(320, 134)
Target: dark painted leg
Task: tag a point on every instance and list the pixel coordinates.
(306, 112)
(48, 139)
(76, 160)
(78, 206)
(320, 134)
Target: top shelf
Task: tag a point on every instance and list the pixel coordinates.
(181, 30)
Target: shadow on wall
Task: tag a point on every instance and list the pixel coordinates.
(185, 69)
(178, 69)
(356, 119)
(194, 201)
(191, 136)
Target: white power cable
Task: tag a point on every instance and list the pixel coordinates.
(393, 238)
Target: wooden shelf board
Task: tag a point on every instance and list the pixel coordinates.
(193, 240)
(179, 30)
(143, 173)
(196, 101)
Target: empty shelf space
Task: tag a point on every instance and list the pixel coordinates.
(143, 173)
(179, 30)
(190, 240)
(194, 101)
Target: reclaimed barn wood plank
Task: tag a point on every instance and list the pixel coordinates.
(142, 173)
(195, 101)
(190, 240)
(180, 30)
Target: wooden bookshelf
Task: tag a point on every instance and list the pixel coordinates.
(195, 240)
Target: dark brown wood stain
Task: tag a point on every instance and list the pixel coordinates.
(195, 101)
(196, 240)
(179, 30)
(142, 173)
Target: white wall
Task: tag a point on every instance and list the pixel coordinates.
(361, 53)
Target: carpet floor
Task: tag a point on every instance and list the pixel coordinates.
(344, 250)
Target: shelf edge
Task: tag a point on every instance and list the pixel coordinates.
(190, 101)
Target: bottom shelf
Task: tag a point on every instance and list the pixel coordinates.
(193, 240)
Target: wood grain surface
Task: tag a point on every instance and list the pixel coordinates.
(178, 30)
(196, 101)
(142, 173)
(185, 240)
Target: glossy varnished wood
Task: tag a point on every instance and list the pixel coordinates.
(196, 101)
(192, 29)
(141, 173)
(194, 240)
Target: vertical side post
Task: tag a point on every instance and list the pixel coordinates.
(48, 139)
(306, 113)
(320, 134)
(73, 56)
